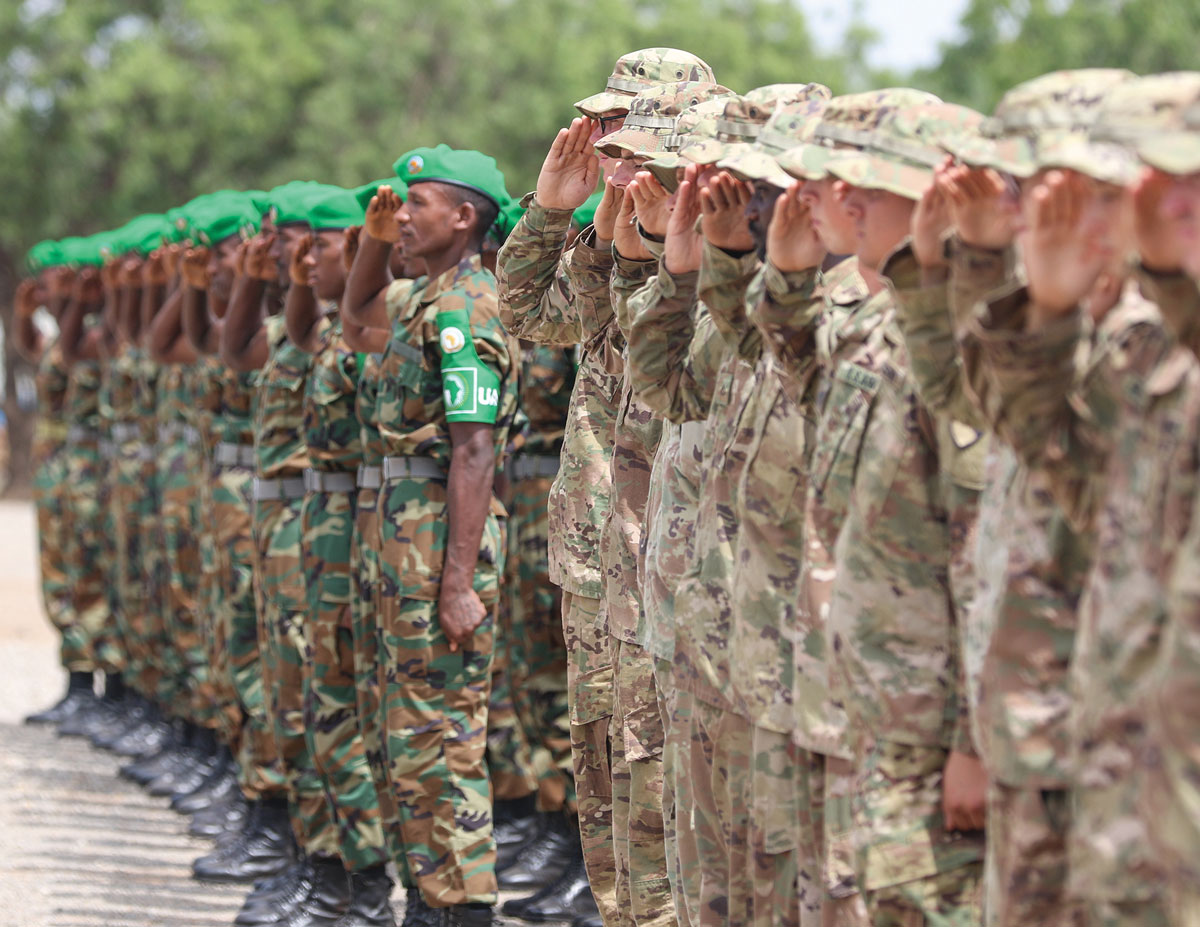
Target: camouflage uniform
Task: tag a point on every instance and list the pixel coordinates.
(551, 295)
(88, 644)
(280, 458)
(1140, 391)
(330, 705)
(435, 700)
(890, 493)
(238, 625)
(49, 456)
(536, 649)
(181, 472)
(365, 550)
(113, 400)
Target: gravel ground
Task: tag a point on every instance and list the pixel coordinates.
(79, 846)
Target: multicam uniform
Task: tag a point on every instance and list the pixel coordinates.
(448, 359)
(280, 458)
(557, 298)
(332, 434)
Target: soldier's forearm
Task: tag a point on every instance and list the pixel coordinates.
(363, 302)
(468, 497)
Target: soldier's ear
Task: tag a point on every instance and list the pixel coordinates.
(465, 216)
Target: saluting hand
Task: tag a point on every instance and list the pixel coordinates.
(651, 203)
(725, 224)
(792, 243)
(350, 246)
(605, 220)
(381, 221)
(1157, 244)
(983, 209)
(1061, 260)
(571, 169)
(25, 300)
(684, 245)
(301, 265)
(154, 269)
(626, 239)
(931, 219)
(194, 268)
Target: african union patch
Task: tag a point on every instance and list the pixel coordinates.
(458, 389)
(452, 340)
(415, 165)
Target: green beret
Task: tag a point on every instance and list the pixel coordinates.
(141, 234)
(46, 253)
(506, 221)
(77, 251)
(462, 168)
(290, 201)
(368, 190)
(335, 209)
(585, 214)
(223, 215)
(261, 200)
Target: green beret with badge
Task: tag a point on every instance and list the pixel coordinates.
(335, 209)
(471, 170)
(223, 216)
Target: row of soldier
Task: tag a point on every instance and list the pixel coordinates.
(872, 518)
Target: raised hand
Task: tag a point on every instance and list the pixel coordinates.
(259, 263)
(154, 269)
(571, 169)
(931, 220)
(684, 245)
(350, 246)
(723, 203)
(88, 287)
(130, 272)
(1157, 244)
(110, 274)
(651, 203)
(626, 239)
(62, 282)
(25, 299)
(605, 220)
(1061, 263)
(381, 221)
(300, 267)
(194, 268)
(792, 243)
(982, 207)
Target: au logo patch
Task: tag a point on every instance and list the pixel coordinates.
(453, 340)
(456, 392)
(415, 165)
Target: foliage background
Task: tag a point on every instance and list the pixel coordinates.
(113, 107)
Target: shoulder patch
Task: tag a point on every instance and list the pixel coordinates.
(452, 339)
(470, 388)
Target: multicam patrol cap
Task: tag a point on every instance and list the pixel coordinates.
(845, 125)
(903, 146)
(1155, 117)
(1048, 111)
(744, 118)
(639, 70)
(650, 122)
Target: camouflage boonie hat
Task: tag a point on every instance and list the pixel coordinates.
(744, 119)
(1157, 118)
(698, 122)
(899, 152)
(845, 125)
(650, 122)
(789, 125)
(641, 69)
(1050, 112)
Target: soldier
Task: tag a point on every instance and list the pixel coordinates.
(1031, 563)
(551, 295)
(333, 437)
(1137, 489)
(49, 455)
(918, 782)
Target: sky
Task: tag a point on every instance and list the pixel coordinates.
(909, 30)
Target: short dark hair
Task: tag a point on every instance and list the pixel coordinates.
(486, 210)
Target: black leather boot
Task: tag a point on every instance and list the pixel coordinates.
(216, 786)
(264, 848)
(517, 823)
(79, 721)
(220, 817)
(542, 861)
(370, 891)
(114, 705)
(570, 896)
(468, 915)
(79, 690)
(195, 765)
(588, 920)
(128, 714)
(147, 737)
(418, 914)
(327, 900)
(150, 766)
(274, 899)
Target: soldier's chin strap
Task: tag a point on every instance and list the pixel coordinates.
(470, 388)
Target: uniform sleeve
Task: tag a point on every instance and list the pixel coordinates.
(723, 284)
(476, 357)
(1178, 299)
(627, 278)
(675, 349)
(788, 313)
(534, 283)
